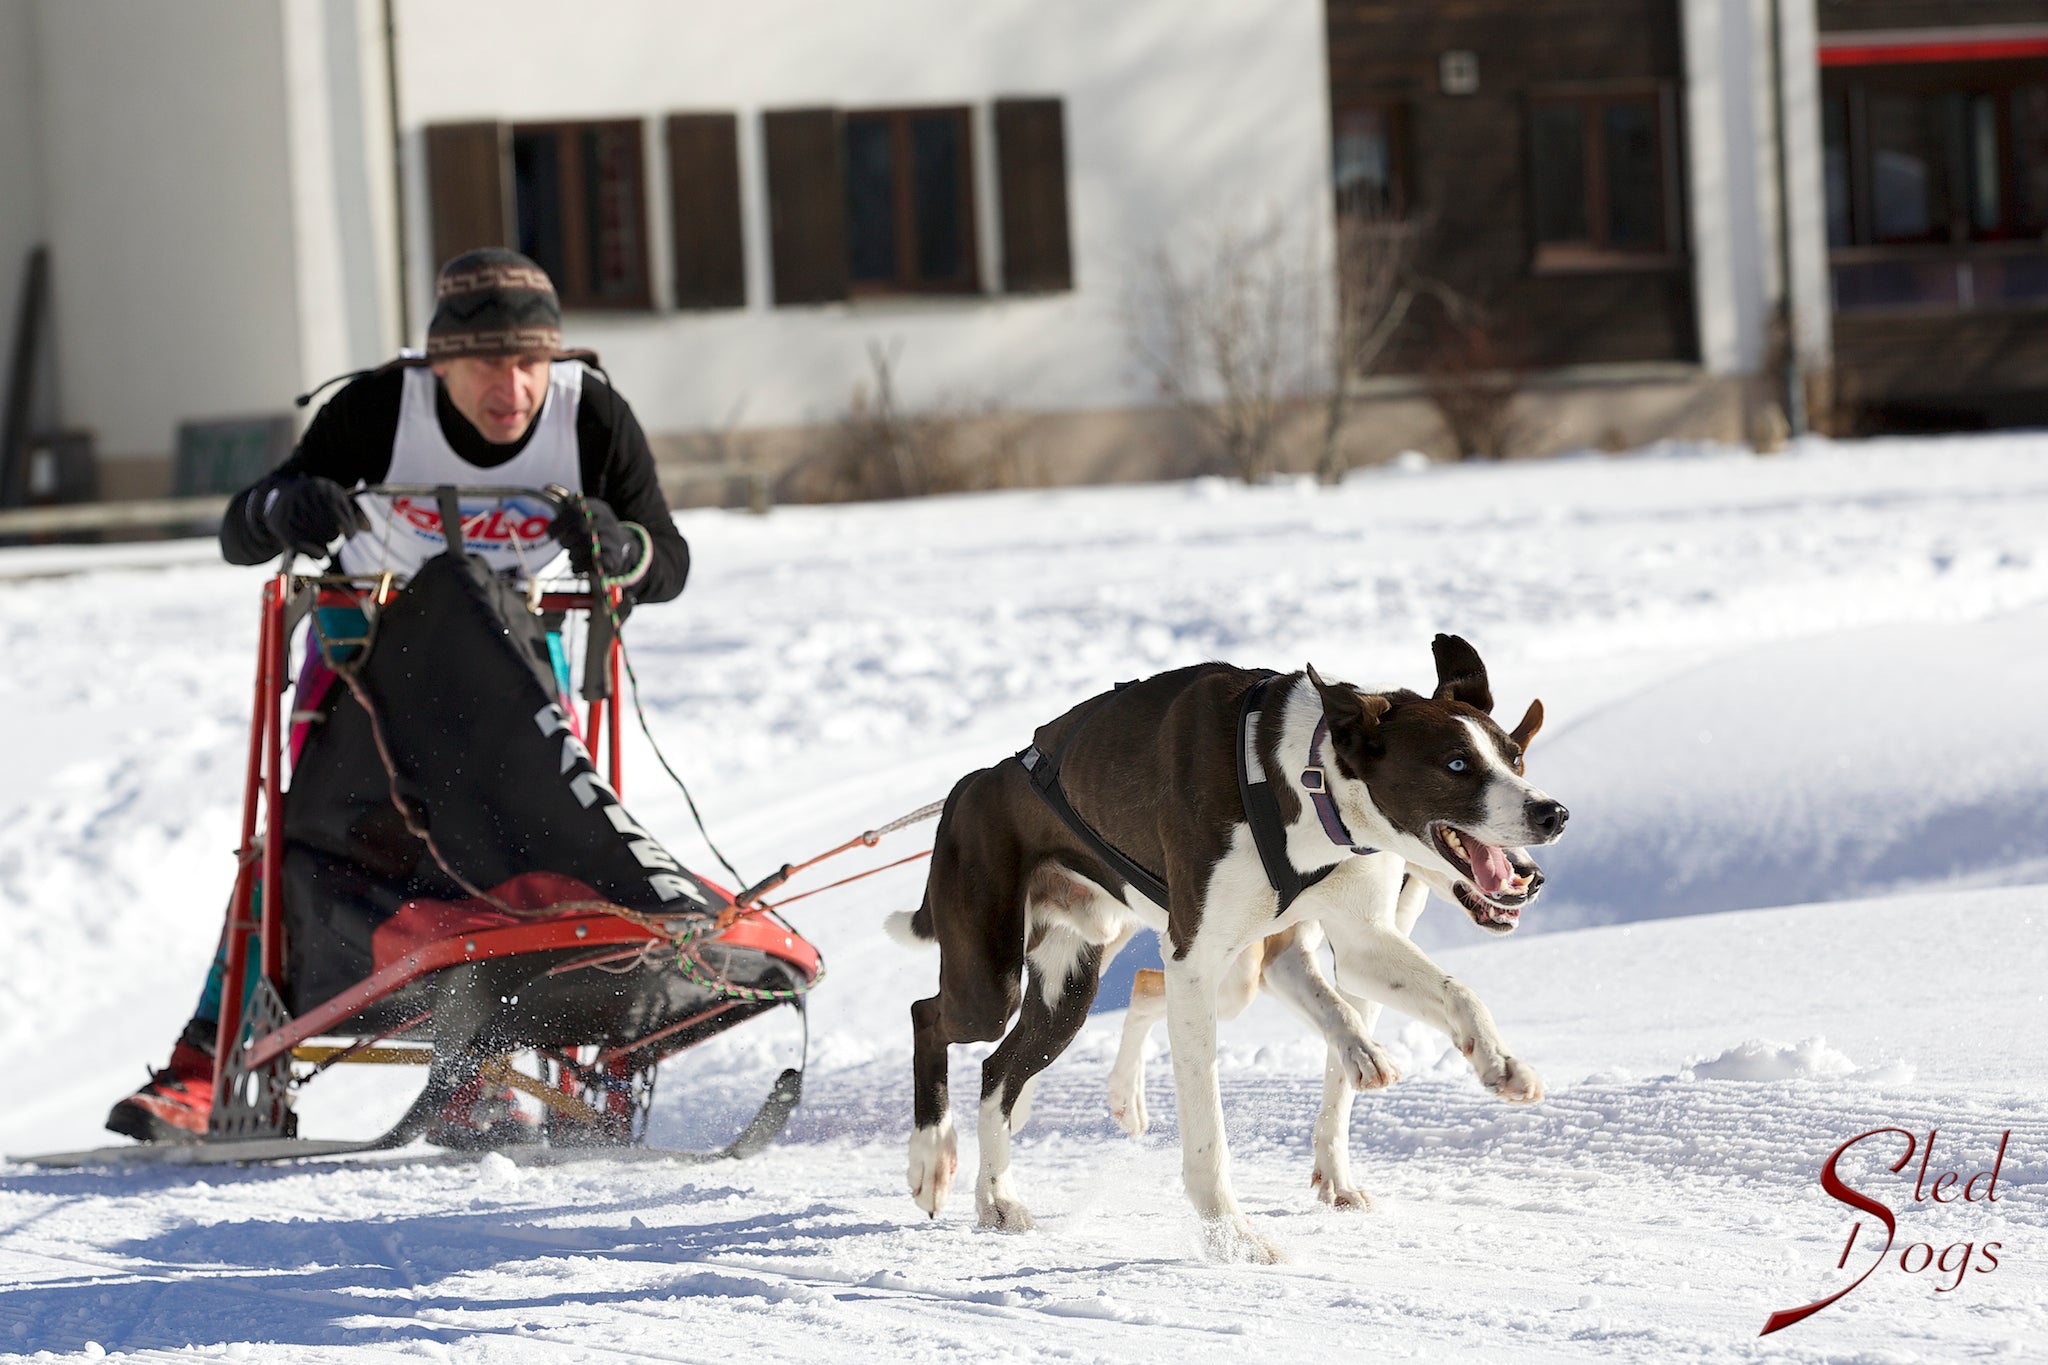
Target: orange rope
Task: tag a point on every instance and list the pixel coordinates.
(749, 903)
(789, 900)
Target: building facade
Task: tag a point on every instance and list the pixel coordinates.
(743, 205)
(1694, 218)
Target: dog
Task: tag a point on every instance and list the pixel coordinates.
(1133, 810)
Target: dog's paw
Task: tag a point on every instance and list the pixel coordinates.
(1232, 1238)
(1127, 1105)
(934, 1161)
(1336, 1195)
(1516, 1082)
(1367, 1065)
(1005, 1213)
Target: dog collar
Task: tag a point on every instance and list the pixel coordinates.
(1316, 783)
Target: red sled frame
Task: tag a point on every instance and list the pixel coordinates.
(246, 1111)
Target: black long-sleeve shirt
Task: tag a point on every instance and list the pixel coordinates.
(350, 440)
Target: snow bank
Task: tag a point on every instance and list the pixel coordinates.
(1803, 678)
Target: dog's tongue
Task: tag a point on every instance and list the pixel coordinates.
(1489, 866)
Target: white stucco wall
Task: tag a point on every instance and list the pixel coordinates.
(1181, 114)
(169, 213)
(21, 187)
(343, 190)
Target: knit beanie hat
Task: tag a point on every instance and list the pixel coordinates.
(492, 302)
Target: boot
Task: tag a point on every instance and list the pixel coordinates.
(174, 1105)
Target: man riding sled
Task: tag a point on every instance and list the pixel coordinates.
(494, 401)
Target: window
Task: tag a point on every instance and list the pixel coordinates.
(570, 195)
(879, 202)
(1919, 163)
(909, 202)
(580, 209)
(1937, 185)
(1369, 170)
(1598, 179)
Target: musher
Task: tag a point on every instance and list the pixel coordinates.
(497, 403)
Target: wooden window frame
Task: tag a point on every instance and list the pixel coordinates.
(572, 284)
(904, 203)
(707, 231)
(803, 155)
(1032, 194)
(1597, 253)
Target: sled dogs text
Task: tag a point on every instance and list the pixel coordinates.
(1363, 785)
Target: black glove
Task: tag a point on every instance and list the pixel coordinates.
(306, 514)
(621, 546)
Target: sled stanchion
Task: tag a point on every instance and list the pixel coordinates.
(610, 596)
(239, 923)
(271, 905)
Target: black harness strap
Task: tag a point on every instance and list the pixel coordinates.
(1262, 809)
(1044, 772)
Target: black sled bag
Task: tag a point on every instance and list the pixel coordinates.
(458, 674)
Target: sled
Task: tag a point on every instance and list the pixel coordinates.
(570, 982)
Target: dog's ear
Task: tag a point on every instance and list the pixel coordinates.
(1459, 674)
(1348, 708)
(1532, 721)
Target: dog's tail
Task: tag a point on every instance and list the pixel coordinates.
(912, 929)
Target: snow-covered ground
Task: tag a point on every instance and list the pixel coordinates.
(1810, 681)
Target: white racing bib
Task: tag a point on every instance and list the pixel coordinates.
(510, 534)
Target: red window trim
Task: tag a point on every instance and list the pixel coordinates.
(1908, 49)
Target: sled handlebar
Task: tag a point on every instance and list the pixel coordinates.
(597, 672)
(449, 497)
(554, 494)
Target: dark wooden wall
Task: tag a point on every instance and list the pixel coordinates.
(1845, 16)
(1943, 370)
(1468, 163)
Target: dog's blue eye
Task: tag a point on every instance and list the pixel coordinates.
(1456, 765)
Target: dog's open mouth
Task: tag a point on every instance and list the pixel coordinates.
(1497, 881)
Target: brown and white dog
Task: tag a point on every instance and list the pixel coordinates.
(1013, 892)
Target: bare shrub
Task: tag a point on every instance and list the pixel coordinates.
(1225, 327)
(877, 449)
(1376, 285)
(726, 451)
(1472, 381)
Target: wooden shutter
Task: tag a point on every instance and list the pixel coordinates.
(806, 204)
(469, 187)
(1031, 177)
(704, 210)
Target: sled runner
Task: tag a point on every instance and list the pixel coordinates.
(452, 883)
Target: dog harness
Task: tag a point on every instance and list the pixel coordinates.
(1255, 793)
(1262, 808)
